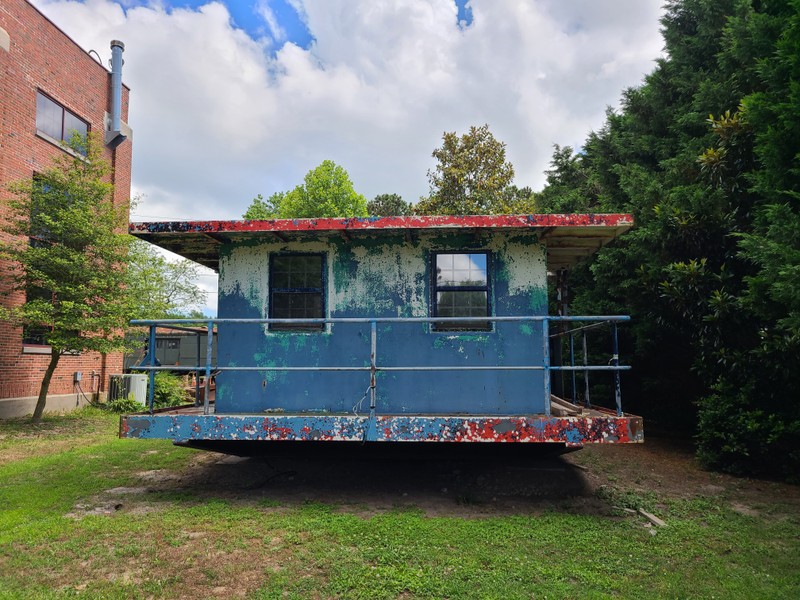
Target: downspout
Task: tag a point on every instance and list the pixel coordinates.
(114, 137)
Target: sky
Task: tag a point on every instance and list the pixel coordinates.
(233, 99)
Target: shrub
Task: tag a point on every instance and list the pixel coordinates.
(123, 405)
(169, 390)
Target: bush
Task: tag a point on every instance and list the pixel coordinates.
(169, 390)
(123, 405)
(743, 430)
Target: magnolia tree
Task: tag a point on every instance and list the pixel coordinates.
(473, 177)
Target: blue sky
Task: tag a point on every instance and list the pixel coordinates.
(247, 16)
(231, 100)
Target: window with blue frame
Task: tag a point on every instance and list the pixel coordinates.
(57, 122)
(297, 291)
(460, 288)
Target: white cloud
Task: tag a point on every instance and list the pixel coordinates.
(220, 117)
(264, 10)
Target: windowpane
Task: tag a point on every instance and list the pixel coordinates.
(35, 336)
(72, 125)
(296, 272)
(54, 120)
(461, 290)
(461, 304)
(49, 117)
(461, 269)
(296, 290)
(289, 305)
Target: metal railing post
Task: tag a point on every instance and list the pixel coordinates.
(373, 367)
(615, 364)
(151, 389)
(547, 367)
(197, 374)
(586, 400)
(572, 364)
(209, 344)
(546, 364)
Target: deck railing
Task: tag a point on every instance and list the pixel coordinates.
(584, 324)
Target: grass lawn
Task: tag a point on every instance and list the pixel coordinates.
(81, 516)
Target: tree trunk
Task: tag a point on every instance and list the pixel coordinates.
(48, 375)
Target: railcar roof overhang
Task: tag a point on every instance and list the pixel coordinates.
(569, 238)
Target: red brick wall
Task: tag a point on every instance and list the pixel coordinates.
(42, 57)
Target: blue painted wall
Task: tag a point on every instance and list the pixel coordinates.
(383, 275)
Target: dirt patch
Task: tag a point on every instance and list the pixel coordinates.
(19, 439)
(666, 468)
(205, 568)
(471, 481)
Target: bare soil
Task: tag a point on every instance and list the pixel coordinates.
(466, 481)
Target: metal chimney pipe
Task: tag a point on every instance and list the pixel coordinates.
(114, 137)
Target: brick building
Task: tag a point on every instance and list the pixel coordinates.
(50, 86)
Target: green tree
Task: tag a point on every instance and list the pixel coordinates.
(568, 184)
(709, 273)
(261, 210)
(517, 200)
(389, 205)
(67, 251)
(162, 288)
(470, 176)
(326, 191)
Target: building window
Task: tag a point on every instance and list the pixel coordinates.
(167, 344)
(58, 123)
(36, 335)
(461, 289)
(41, 235)
(297, 290)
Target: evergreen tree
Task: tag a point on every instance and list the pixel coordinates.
(389, 205)
(709, 273)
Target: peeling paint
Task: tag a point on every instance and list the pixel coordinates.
(384, 271)
(572, 431)
(383, 276)
(386, 223)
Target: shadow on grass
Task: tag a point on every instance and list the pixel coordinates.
(440, 480)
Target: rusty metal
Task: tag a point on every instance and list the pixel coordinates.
(378, 223)
(598, 428)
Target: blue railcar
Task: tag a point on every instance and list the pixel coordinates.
(394, 329)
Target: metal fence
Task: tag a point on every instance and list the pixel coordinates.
(584, 324)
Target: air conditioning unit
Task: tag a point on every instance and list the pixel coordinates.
(128, 386)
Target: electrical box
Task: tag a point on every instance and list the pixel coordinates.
(128, 386)
(78, 376)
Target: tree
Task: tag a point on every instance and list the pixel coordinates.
(710, 272)
(389, 205)
(162, 288)
(326, 191)
(68, 250)
(517, 201)
(470, 176)
(568, 184)
(261, 210)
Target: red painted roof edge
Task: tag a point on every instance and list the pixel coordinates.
(382, 223)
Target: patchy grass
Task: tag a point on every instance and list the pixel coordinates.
(81, 516)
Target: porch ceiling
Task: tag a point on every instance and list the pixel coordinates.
(568, 238)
